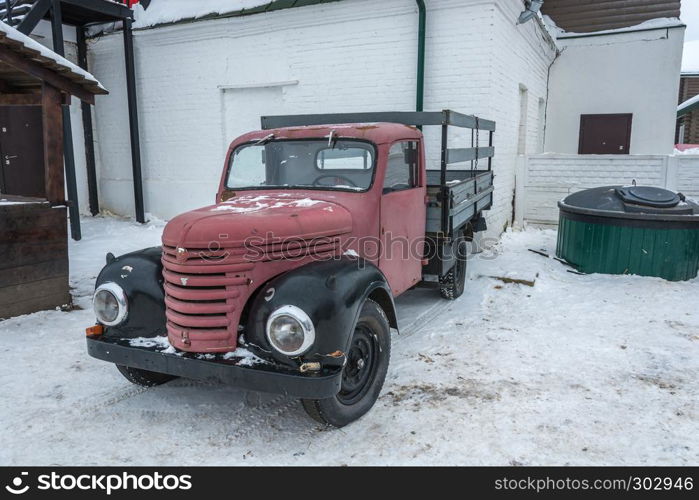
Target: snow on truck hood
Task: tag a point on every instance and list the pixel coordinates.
(232, 222)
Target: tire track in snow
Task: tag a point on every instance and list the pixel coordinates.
(423, 319)
(247, 418)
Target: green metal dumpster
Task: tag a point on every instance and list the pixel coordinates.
(640, 230)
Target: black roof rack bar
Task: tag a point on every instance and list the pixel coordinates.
(460, 155)
(412, 118)
(468, 121)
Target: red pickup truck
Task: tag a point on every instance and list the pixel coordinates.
(286, 284)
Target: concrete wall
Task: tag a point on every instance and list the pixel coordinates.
(543, 180)
(202, 84)
(636, 72)
(686, 176)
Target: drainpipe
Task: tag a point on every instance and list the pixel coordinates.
(422, 12)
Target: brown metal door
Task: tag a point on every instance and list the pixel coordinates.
(605, 134)
(21, 151)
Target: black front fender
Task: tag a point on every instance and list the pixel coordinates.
(140, 274)
(331, 293)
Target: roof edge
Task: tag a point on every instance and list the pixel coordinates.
(272, 6)
(620, 31)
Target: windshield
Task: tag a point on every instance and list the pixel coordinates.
(341, 164)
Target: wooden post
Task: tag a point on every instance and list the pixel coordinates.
(52, 123)
(87, 130)
(133, 121)
(68, 153)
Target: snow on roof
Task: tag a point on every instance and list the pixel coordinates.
(170, 11)
(690, 57)
(688, 105)
(46, 53)
(661, 22)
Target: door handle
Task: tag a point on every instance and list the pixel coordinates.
(8, 157)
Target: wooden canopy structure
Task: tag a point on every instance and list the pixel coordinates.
(25, 16)
(35, 88)
(31, 75)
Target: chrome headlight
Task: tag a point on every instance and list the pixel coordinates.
(290, 331)
(110, 304)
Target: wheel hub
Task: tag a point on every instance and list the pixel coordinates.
(361, 364)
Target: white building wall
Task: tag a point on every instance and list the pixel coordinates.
(634, 72)
(521, 59)
(202, 84)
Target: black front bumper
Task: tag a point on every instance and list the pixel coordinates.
(258, 377)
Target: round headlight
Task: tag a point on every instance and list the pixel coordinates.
(110, 304)
(290, 331)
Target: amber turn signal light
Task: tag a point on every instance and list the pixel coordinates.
(94, 331)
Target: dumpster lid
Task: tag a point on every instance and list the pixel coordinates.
(649, 196)
(632, 201)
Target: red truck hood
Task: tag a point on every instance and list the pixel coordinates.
(211, 257)
(254, 217)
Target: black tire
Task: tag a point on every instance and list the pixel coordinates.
(144, 377)
(452, 284)
(364, 372)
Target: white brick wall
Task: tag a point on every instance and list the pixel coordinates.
(354, 55)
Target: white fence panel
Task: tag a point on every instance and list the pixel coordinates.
(543, 180)
(688, 175)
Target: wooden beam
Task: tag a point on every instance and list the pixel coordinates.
(68, 152)
(7, 87)
(133, 121)
(52, 121)
(35, 69)
(20, 100)
(113, 9)
(32, 18)
(87, 129)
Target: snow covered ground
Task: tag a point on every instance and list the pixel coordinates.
(574, 370)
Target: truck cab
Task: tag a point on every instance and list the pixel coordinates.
(287, 282)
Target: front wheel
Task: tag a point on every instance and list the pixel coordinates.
(363, 374)
(144, 377)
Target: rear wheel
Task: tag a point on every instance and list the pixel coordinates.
(452, 284)
(363, 374)
(144, 377)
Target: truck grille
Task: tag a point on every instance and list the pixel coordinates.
(203, 296)
(205, 291)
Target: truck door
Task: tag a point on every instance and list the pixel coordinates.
(402, 217)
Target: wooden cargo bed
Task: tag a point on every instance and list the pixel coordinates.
(467, 193)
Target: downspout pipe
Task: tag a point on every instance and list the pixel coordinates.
(422, 13)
